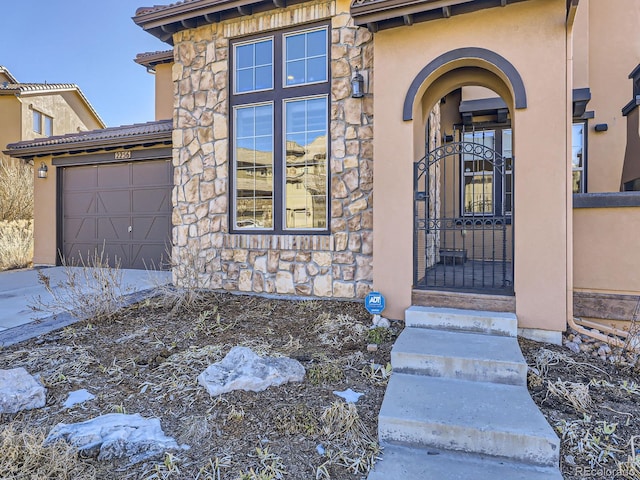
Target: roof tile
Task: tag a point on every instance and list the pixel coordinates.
(122, 132)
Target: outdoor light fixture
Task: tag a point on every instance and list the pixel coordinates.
(357, 85)
(42, 171)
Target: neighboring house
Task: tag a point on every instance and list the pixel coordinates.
(497, 160)
(35, 110)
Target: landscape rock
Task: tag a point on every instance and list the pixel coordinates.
(76, 397)
(242, 369)
(20, 391)
(349, 395)
(381, 322)
(116, 435)
(574, 347)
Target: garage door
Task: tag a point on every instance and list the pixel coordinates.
(123, 208)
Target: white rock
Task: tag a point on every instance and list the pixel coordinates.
(577, 340)
(573, 347)
(242, 369)
(382, 322)
(349, 395)
(20, 391)
(116, 435)
(76, 397)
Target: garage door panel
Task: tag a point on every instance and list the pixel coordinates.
(117, 254)
(114, 201)
(80, 178)
(101, 202)
(151, 200)
(151, 173)
(74, 228)
(114, 176)
(113, 228)
(79, 253)
(151, 257)
(79, 203)
(150, 229)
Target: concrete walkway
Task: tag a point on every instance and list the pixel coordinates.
(20, 289)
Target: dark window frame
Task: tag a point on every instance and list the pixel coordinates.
(585, 152)
(277, 96)
(498, 187)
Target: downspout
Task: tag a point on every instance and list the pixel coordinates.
(572, 8)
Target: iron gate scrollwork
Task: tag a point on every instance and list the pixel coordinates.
(463, 198)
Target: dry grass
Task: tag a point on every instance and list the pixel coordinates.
(91, 289)
(25, 457)
(16, 192)
(146, 360)
(16, 244)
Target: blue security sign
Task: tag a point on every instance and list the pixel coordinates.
(374, 302)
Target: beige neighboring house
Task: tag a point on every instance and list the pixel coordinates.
(493, 164)
(29, 111)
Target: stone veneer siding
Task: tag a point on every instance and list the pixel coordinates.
(337, 265)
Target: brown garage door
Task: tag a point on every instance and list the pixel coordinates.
(125, 207)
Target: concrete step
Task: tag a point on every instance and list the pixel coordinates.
(465, 356)
(476, 321)
(474, 417)
(402, 463)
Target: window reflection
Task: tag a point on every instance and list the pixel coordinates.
(254, 166)
(306, 163)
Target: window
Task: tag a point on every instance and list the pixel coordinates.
(37, 121)
(487, 182)
(42, 124)
(48, 125)
(279, 127)
(578, 157)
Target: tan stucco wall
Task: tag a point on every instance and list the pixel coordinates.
(541, 201)
(66, 119)
(164, 91)
(605, 246)
(613, 52)
(10, 121)
(44, 214)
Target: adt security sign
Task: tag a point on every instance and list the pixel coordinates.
(374, 303)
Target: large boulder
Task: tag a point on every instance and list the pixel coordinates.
(116, 435)
(242, 369)
(20, 391)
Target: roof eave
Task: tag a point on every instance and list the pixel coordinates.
(382, 14)
(89, 145)
(164, 23)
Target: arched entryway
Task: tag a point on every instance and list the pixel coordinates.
(463, 181)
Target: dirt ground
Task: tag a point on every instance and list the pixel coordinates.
(593, 406)
(147, 358)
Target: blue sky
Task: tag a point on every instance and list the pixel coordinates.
(91, 43)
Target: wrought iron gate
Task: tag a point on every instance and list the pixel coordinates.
(463, 198)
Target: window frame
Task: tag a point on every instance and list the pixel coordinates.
(37, 114)
(42, 122)
(277, 96)
(585, 155)
(499, 188)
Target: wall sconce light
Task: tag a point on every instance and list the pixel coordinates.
(357, 85)
(42, 171)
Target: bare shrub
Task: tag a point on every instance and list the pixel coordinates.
(16, 191)
(93, 289)
(24, 456)
(16, 244)
(191, 279)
